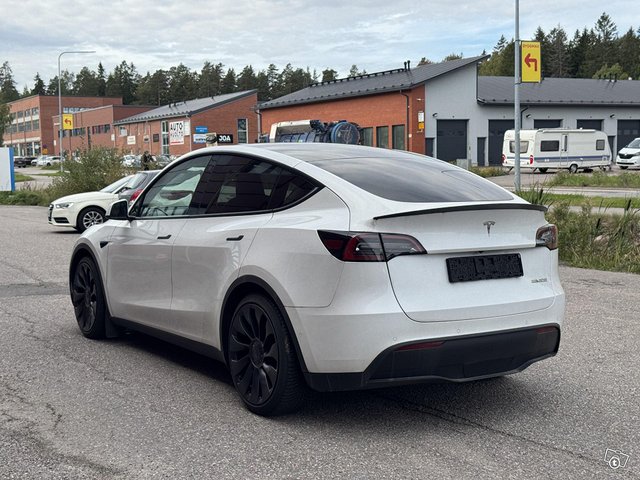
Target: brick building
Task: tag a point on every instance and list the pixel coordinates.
(388, 106)
(446, 110)
(31, 131)
(94, 127)
(178, 128)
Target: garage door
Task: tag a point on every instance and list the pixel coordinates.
(496, 137)
(547, 124)
(595, 124)
(451, 143)
(627, 131)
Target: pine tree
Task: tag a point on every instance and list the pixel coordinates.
(102, 82)
(8, 92)
(329, 75)
(229, 81)
(38, 86)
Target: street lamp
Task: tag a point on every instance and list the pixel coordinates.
(60, 102)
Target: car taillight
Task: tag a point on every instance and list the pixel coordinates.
(530, 159)
(547, 236)
(135, 195)
(369, 247)
(504, 158)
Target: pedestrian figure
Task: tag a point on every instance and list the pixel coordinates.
(146, 160)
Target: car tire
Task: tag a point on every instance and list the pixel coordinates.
(573, 168)
(543, 170)
(623, 167)
(88, 217)
(262, 358)
(88, 300)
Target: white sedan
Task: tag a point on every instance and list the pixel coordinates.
(83, 210)
(328, 266)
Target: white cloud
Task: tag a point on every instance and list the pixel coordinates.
(375, 35)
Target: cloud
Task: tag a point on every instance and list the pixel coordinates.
(375, 35)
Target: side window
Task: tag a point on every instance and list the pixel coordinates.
(599, 144)
(549, 145)
(291, 187)
(172, 194)
(234, 184)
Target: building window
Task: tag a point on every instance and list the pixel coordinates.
(242, 130)
(398, 137)
(382, 137)
(35, 111)
(123, 132)
(165, 137)
(27, 126)
(367, 136)
(36, 124)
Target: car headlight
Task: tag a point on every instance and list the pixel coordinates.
(63, 205)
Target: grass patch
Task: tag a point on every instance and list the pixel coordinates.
(598, 241)
(52, 174)
(21, 177)
(486, 172)
(596, 179)
(599, 202)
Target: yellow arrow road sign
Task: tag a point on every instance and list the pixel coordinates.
(531, 62)
(67, 121)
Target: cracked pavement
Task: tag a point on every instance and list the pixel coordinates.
(136, 407)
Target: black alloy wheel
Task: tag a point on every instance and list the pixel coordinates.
(88, 299)
(573, 168)
(262, 360)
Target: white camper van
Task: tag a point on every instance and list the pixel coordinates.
(558, 148)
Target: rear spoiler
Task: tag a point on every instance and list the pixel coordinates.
(467, 208)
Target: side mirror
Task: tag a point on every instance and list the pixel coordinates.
(119, 210)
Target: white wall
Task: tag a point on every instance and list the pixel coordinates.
(454, 96)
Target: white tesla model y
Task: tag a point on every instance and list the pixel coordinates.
(328, 266)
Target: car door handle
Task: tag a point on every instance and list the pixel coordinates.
(235, 239)
(164, 237)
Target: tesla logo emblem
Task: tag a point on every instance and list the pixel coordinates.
(489, 224)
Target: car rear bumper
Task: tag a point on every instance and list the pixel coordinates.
(454, 359)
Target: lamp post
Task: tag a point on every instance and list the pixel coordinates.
(60, 130)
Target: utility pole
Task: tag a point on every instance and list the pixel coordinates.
(516, 101)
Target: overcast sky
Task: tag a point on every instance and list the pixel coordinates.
(375, 35)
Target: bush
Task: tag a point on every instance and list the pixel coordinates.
(95, 169)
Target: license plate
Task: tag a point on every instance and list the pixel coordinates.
(484, 267)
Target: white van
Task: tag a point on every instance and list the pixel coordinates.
(629, 156)
(558, 148)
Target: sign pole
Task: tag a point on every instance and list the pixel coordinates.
(516, 102)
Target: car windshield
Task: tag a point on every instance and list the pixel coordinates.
(634, 144)
(116, 185)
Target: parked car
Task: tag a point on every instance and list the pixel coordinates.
(47, 161)
(22, 162)
(629, 156)
(162, 160)
(131, 161)
(137, 183)
(339, 266)
(83, 210)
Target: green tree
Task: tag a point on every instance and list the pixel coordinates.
(426, 61)
(452, 56)
(210, 79)
(38, 86)
(614, 71)
(329, 75)
(86, 83)
(122, 82)
(557, 57)
(629, 53)
(102, 81)
(153, 89)
(229, 82)
(183, 83)
(262, 84)
(5, 120)
(247, 79)
(8, 92)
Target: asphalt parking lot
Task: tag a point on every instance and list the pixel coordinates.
(138, 408)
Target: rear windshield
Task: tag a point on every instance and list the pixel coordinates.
(412, 178)
(524, 146)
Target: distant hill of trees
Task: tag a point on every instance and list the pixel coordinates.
(599, 52)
